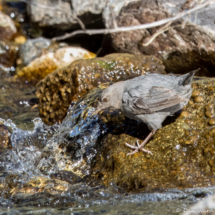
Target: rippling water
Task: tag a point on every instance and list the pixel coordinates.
(21, 163)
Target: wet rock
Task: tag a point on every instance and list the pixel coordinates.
(41, 184)
(7, 27)
(183, 150)
(205, 206)
(68, 176)
(16, 102)
(69, 84)
(8, 55)
(182, 47)
(47, 63)
(5, 135)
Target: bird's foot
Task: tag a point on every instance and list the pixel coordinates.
(137, 148)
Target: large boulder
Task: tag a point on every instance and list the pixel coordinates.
(65, 14)
(182, 46)
(183, 149)
(69, 84)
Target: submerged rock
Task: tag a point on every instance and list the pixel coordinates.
(5, 135)
(69, 84)
(8, 55)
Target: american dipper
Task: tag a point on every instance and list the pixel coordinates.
(148, 98)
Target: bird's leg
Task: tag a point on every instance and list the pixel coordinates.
(140, 147)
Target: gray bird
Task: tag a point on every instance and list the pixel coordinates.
(148, 98)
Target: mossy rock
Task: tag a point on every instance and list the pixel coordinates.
(69, 84)
(183, 149)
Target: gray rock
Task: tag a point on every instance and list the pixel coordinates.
(50, 17)
(65, 16)
(32, 48)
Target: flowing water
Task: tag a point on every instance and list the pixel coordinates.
(25, 162)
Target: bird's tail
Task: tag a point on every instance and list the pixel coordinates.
(187, 78)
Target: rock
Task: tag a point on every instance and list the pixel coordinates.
(46, 17)
(41, 184)
(47, 63)
(5, 135)
(7, 27)
(69, 84)
(182, 47)
(183, 149)
(8, 55)
(65, 17)
(32, 49)
(205, 206)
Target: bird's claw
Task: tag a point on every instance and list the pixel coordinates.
(137, 148)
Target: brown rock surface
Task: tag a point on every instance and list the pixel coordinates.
(7, 27)
(8, 57)
(183, 150)
(69, 84)
(180, 47)
(5, 134)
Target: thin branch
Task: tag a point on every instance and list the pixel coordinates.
(136, 27)
(160, 31)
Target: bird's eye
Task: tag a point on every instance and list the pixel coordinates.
(104, 100)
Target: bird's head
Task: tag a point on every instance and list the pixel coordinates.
(111, 97)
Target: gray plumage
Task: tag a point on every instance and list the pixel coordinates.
(148, 98)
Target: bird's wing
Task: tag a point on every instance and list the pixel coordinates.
(158, 98)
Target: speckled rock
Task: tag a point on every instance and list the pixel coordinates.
(182, 47)
(183, 149)
(41, 184)
(69, 84)
(12, 185)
